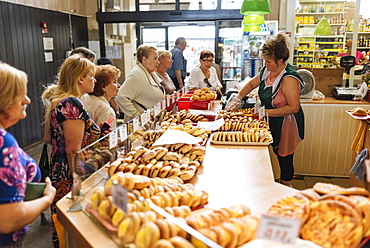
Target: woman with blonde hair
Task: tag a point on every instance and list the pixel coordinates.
(165, 62)
(16, 167)
(67, 123)
(141, 89)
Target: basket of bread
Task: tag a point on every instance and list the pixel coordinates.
(203, 94)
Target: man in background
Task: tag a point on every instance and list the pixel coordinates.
(177, 72)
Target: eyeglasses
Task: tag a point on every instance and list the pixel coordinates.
(208, 60)
(209, 85)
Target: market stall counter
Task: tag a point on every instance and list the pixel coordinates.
(230, 174)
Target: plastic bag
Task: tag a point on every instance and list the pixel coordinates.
(234, 102)
(318, 95)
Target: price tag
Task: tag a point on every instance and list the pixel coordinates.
(164, 104)
(173, 98)
(257, 106)
(168, 99)
(157, 109)
(123, 132)
(277, 228)
(113, 139)
(261, 113)
(119, 194)
(145, 117)
(135, 124)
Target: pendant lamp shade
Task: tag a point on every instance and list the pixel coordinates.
(323, 27)
(252, 28)
(258, 7)
(253, 20)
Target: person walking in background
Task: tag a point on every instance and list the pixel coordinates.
(279, 90)
(204, 75)
(177, 72)
(84, 52)
(16, 166)
(141, 89)
(360, 57)
(106, 87)
(165, 62)
(68, 126)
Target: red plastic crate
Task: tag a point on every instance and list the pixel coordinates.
(188, 104)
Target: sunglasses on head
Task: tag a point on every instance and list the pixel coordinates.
(209, 85)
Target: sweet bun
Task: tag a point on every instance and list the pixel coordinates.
(160, 152)
(141, 182)
(129, 227)
(172, 156)
(359, 111)
(147, 235)
(147, 156)
(162, 243)
(129, 181)
(163, 228)
(179, 242)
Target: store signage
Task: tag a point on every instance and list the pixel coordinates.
(119, 194)
(278, 228)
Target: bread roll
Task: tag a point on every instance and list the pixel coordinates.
(162, 243)
(179, 242)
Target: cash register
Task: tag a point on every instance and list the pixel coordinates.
(348, 92)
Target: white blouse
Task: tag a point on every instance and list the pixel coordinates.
(99, 109)
(196, 79)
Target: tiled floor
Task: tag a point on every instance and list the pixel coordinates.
(40, 236)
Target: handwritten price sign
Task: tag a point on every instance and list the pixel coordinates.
(277, 228)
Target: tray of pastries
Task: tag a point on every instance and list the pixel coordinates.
(359, 113)
(252, 137)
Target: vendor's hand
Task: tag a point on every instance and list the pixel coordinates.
(49, 190)
(234, 102)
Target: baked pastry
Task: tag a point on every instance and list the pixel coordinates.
(295, 206)
(359, 111)
(333, 224)
(162, 243)
(328, 188)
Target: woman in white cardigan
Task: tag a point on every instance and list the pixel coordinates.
(141, 89)
(204, 75)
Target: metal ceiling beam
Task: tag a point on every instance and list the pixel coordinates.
(168, 16)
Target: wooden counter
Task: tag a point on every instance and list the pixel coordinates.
(231, 175)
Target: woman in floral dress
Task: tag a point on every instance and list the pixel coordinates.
(68, 126)
(16, 167)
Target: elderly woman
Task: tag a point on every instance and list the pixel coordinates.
(165, 62)
(141, 89)
(279, 90)
(106, 87)
(16, 166)
(204, 75)
(67, 122)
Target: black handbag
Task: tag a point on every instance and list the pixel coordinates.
(44, 163)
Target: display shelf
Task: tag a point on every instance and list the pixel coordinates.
(321, 13)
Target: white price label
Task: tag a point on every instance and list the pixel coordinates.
(135, 124)
(257, 106)
(168, 99)
(173, 98)
(164, 104)
(157, 109)
(145, 117)
(113, 139)
(123, 132)
(119, 194)
(261, 112)
(277, 228)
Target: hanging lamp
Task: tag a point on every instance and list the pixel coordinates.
(323, 27)
(259, 7)
(252, 28)
(253, 20)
